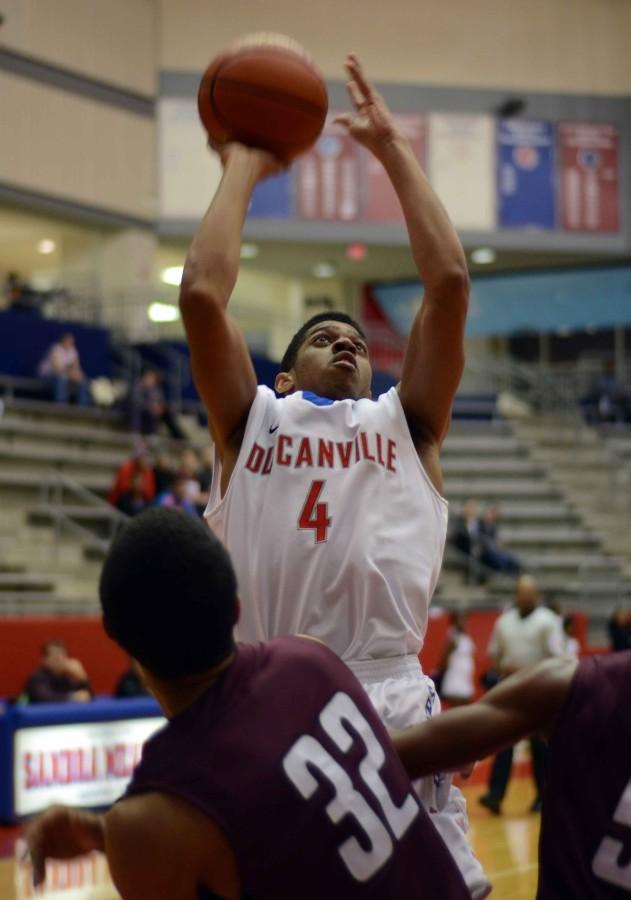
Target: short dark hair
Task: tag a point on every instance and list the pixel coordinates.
(289, 358)
(169, 594)
(53, 642)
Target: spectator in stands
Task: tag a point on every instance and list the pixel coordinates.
(177, 497)
(148, 407)
(189, 472)
(139, 463)
(59, 679)
(619, 628)
(134, 501)
(525, 634)
(492, 554)
(458, 665)
(130, 684)
(164, 472)
(205, 477)
(607, 401)
(62, 367)
(467, 539)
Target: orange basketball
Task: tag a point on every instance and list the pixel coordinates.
(265, 92)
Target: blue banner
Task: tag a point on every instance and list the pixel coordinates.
(525, 174)
(272, 198)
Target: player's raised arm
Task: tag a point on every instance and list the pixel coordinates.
(221, 364)
(435, 357)
(527, 702)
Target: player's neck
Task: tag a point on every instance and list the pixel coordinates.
(178, 694)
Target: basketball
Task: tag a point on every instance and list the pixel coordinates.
(265, 92)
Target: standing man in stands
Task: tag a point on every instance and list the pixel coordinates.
(329, 502)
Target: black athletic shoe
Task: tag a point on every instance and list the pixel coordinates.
(536, 806)
(491, 803)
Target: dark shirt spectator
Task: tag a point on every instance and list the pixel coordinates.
(139, 463)
(492, 554)
(130, 684)
(148, 407)
(134, 501)
(619, 628)
(59, 679)
(164, 473)
(466, 533)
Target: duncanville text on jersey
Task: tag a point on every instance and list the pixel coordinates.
(312, 452)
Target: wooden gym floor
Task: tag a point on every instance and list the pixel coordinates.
(506, 846)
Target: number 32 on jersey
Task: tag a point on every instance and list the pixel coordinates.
(378, 830)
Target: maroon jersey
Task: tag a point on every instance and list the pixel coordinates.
(585, 848)
(287, 755)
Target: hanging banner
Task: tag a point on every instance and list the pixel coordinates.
(461, 165)
(328, 177)
(525, 174)
(381, 203)
(589, 176)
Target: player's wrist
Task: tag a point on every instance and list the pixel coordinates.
(393, 149)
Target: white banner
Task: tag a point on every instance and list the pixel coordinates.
(461, 166)
(86, 764)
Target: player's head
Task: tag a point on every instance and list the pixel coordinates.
(55, 656)
(329, 356)
(526, 594)
(169, 594)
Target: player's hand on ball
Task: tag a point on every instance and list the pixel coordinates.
(371, 124)
(266, 164)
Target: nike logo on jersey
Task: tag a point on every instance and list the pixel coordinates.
(275, 428)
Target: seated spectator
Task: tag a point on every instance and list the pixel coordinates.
(607, 401)
(62, 367)
(148, 407)
(130, 684)
(134, 501)
(177, 497)
(18, 294)
(139, 463)
(59, 678)
(570, 646)
(205, 477)
(492, 554)
(163, 472)
(619, 628)
(466, 537)
(189, 472)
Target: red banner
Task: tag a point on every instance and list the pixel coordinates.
(381, 202)
(328, 177)
(589, 176)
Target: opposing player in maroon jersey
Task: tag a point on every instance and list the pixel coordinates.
(585, 709)
(274, 777)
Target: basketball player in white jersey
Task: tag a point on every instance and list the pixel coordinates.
(329, 501)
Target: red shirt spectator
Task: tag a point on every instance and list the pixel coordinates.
(138, 464)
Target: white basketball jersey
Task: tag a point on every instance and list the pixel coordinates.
(334, 528)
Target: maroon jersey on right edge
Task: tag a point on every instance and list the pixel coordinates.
(585, 848)
(287, 755)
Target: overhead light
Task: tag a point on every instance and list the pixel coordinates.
(46, 245)
(249, 251)
(483, 256)
(172, 275)
(163, 312)
(356, 251)
(324, 270)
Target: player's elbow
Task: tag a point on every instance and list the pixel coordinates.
(199, 295)
(450, 290)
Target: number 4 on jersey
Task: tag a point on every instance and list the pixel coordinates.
(314, 515)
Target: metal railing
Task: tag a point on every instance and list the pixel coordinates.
(55, 490)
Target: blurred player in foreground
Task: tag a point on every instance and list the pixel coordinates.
(585, 710)
(274, 777)
(329, 502)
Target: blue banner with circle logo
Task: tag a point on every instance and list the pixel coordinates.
(525, 174)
